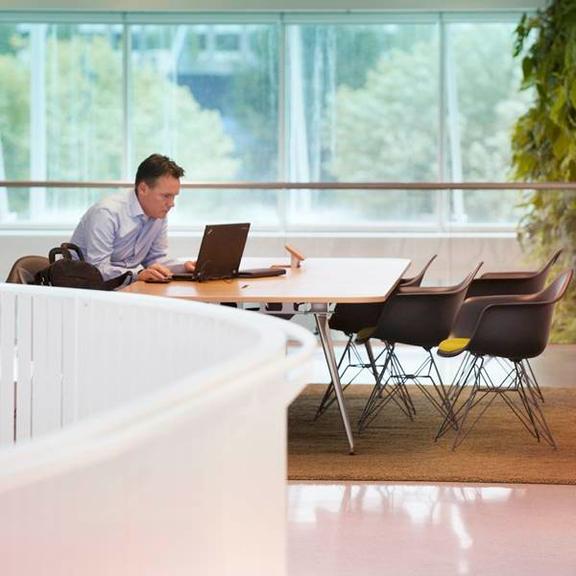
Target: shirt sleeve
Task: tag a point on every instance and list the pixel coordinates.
(99, 244)
(158, 253)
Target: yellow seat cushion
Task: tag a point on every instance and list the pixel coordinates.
(365, 334)
(452, 346)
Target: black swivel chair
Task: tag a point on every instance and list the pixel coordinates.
(514, 328)
(24, 270)
(351, 319)
(418, 316)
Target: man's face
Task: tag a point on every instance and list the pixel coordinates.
(158, 200)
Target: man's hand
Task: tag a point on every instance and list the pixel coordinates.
(189, 266)
(155, 273)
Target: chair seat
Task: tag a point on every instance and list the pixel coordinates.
(452, 346)
(365, 334)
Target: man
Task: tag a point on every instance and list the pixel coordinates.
(129, 231)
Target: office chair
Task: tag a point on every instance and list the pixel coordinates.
(498, 283)
(24, 270)
(418, 316)
(351, 319)
(514, 328)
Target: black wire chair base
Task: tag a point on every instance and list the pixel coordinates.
(354, 364)
(426, 377)
(518, 389)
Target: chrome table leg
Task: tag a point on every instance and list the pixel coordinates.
(320, 312)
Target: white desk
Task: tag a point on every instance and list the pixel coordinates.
(318, 282)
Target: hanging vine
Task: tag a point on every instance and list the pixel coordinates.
(544, 142)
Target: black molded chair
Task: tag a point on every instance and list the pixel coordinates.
(514, 328)
(493, 283)
(418, 316)
(351, 319)
(24, 270)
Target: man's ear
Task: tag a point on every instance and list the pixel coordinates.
(142, 189)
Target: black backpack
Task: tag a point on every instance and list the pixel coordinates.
(74, 272)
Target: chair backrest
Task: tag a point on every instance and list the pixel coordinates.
(547, 265)
(351, 318)
(556, 290)
(25, 269)
(492, 284)
(422, 316)
(519, 328)
(463, 286)
(417, 280)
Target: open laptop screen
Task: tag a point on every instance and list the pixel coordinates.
(221, 251)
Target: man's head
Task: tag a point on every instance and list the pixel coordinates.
(157, 185)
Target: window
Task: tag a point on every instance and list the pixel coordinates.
(217, 119)
(336, 98)
(61, 116)
(482, 103)
(364, 107)
(228, 42)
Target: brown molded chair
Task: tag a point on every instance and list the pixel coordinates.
(493, 283)
(514, 328)
(351, 319)
(24, 270)
(418, 316)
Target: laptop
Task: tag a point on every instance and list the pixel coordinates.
(220, 253)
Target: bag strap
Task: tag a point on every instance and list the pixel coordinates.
(60, 251)
(114, 283)
(73, 248)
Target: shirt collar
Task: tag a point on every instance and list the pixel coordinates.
(134, 207)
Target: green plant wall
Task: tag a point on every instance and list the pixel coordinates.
(544, 143)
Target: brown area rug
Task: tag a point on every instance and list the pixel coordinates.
(498, 450)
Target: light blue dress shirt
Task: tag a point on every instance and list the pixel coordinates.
(115, 235)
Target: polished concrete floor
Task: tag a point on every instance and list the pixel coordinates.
(431, 529)
(437, 529)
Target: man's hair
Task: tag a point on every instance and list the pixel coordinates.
(155, 166)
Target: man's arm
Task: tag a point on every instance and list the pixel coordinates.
(157, 256)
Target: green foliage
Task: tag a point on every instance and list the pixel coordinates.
(14, 112)
(544, 142)
(9, 39)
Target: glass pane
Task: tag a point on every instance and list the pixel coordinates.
(483, 102)
(196, 207)
(207, 95)
(60, 113)
(83, 79)
(497, 207)
(330, 209)
(14, 119)
(53, 206)
(364, 106)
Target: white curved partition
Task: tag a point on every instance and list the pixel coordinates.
(141, 435)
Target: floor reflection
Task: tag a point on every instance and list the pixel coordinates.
(430, 529)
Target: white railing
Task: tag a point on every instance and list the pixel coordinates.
(369, 185)
(142, 436)
(299, 218)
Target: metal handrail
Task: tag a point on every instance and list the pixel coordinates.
(302, 185)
